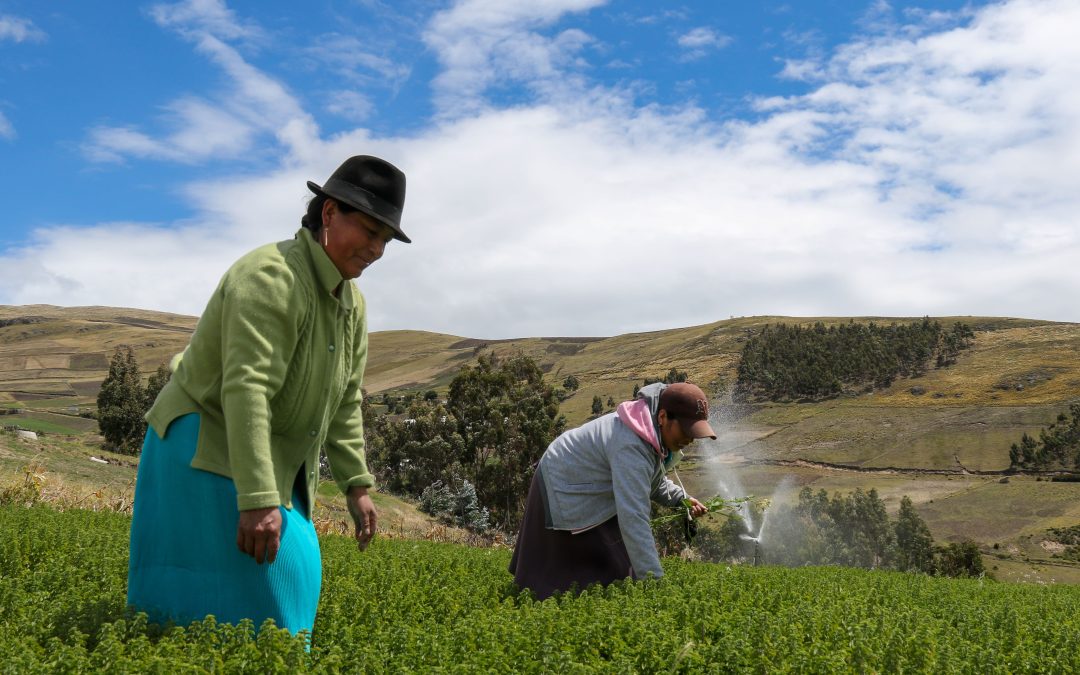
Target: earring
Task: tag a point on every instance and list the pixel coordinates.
(325, 229)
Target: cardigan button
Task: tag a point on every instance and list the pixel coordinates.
(331, 347)
(313, 433)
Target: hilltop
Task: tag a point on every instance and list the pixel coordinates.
(63, 352)
(942, 438)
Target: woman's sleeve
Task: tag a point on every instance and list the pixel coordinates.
(345, 439)
(631, 484)
(668, 493)
(261, 314)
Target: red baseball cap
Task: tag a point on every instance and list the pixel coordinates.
(687, 403)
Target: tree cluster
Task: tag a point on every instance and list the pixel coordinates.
(813, 363)
(852, 530)
(399, 404)
(123, 402)
(674, 375)
(1058, 446)
(455, 504)
(500, 416)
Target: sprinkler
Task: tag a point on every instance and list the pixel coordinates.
(757, 546)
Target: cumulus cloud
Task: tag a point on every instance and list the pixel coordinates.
(929, 170)
(17, 29)
(697, 42)
(481, 43)
(253, 104)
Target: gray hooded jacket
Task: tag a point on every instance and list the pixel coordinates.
(602, 469)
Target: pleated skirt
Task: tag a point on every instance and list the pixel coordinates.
(184, 563)
(548, 561)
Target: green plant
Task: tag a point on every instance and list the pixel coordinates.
(417, 606)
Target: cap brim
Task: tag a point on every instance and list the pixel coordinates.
(699, 429)
(398, 234)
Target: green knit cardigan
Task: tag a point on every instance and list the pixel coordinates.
(274, 370)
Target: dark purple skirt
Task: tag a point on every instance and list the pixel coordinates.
(548, 561)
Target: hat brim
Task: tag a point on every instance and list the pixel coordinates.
(355, 202)
(697, 429)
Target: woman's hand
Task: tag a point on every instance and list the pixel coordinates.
(697, 508)
(362, 510)
(259, 533)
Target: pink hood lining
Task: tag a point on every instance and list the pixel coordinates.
(637, 416)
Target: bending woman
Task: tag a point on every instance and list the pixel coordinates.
(230, 464)
(587, 514)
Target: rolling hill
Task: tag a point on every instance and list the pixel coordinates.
(942, 438)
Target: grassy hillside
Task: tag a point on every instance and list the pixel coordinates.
(74, 472)
(928, 437)
(62, 354)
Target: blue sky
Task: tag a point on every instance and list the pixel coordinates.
(575, 166)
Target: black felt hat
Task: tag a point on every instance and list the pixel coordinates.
(371, 185)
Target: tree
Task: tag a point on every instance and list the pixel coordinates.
(597, 405)
(914, 545)
(410, 454)
(156, 383)
(571, 383)
(122, 404)
(960, 560)
(675, 375)
(1058, 446)
(506, 415)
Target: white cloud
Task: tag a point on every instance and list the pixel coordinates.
(349, 58)
(202, 131)
(196, 18)
(932, 174)
(252, 105)
(7, 131)
(481, 43)
(697, 42)
(349, 105)
(17, 29)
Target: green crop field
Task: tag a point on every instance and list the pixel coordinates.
(421, 607)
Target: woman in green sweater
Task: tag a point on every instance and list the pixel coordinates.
(230, 464)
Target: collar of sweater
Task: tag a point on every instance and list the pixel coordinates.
(325, 270)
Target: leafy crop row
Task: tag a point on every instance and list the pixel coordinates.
(406, 606)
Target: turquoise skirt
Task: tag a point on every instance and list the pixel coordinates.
(184, 562)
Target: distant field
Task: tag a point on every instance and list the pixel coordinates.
(955, 508)
(40, 422)
(874, 435)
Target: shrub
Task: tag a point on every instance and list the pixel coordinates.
(457, 506)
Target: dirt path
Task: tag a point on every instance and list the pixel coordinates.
(896, 470)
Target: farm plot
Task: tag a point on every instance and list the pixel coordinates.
(412, 606)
